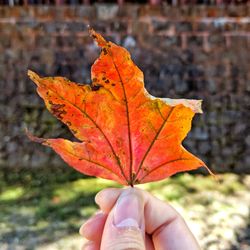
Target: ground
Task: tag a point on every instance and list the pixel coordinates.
(44, 210)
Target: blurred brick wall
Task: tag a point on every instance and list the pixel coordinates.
(189, 51)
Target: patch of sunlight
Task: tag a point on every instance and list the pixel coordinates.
(93, 185)
(230, 184)
(71, 242)
(170, 192)
(87, 211)
(186, 185)
(42, 224)
(173, 188)
(155, 186)
(199, 182)
(72, 190)
(12, 193)
(169, 189)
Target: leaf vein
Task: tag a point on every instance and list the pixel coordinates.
(128, 120)
(99, 128)
(163, 164)
(153, 141)
(89, 160)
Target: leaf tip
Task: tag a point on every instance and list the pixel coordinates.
(97, 37)
(33, 76)
(198, 106)
(34, 138)
(211, 173)
(194, 105)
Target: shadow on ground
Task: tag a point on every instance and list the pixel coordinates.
(38, 208)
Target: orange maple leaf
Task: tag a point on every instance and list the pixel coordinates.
(125, 134)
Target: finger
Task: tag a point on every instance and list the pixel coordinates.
(166, 225)
(124, 228)
(92, 229)
(90, 245)
(157, 212)
(175, 235)
(106, 198)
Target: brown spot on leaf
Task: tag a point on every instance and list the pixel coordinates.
(96, 87)
(57, 110)
(119, 142)
(105, 51)
(73, 131)
(68, 123)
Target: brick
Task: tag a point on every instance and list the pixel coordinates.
(128, 11)
(84, 12)
(194, 40)
(217, 40)
(107, 12)
(147, 10)
(118, 26)
(162, 25)
(184, 26)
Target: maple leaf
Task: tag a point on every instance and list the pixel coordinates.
(125, 134)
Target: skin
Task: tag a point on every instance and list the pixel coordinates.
(157, 224)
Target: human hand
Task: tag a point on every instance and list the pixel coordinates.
(134, 219)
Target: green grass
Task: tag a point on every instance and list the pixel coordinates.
(48, 205)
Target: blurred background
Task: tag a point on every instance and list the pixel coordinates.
(186, 49)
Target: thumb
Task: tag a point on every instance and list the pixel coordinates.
(125, 225)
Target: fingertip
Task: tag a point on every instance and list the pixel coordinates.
(90, 245)
(81, 230)
(93, 227)
(106, 198)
